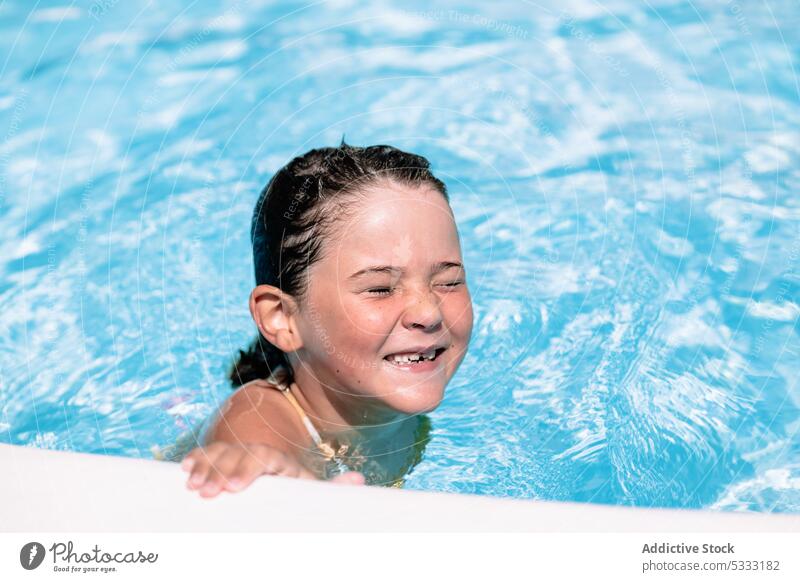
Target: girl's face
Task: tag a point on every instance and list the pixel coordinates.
(390, 284)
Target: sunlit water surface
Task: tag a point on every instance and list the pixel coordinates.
(622, 177)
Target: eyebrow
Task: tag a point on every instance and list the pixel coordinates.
(437, 268)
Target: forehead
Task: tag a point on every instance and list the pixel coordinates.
(395, 224)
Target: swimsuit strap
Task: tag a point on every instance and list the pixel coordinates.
(286, 390)
(278, 380)
(323, 446)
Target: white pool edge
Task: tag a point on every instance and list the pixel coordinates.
(54, 491)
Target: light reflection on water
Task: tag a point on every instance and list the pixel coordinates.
(621, 176)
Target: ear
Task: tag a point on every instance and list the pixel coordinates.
(273, 311)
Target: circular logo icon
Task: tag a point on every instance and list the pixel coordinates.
(31, 555)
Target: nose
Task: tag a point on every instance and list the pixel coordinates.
(423, 311)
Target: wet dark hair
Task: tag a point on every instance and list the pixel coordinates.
(293, 216)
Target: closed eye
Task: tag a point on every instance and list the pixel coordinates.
(380, 290)
(453, 284)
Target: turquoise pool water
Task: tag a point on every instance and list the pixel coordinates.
(624, 179)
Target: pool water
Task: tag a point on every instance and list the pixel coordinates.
(622, 177)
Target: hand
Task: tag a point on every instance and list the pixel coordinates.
(232, 467)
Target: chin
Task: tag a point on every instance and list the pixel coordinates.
(416, 400)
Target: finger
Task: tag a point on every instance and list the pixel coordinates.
(199, 453)
(276, 462)
(187, 463)
(221, 469)
(244, 473)
(190, 459)
(350, 478)
(202, 466)
(251, 465)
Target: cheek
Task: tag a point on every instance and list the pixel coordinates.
(359, 324)
(458, 313)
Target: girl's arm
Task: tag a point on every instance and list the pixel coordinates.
(252, 435)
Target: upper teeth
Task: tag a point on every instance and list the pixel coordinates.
(406, 358)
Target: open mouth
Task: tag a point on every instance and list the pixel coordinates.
(414, 359)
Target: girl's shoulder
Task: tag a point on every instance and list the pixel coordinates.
(261, 396)
(258, 412)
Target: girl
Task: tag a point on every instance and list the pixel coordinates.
(363, 315)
